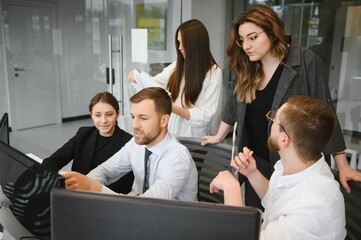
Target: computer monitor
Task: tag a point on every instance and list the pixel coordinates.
(25, 192)
(4, 129)
(86, 215)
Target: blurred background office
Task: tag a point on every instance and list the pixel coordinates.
(54, 56)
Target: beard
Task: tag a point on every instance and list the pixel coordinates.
(272, 145)
(145, 139)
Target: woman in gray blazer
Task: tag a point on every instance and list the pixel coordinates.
(268, 70)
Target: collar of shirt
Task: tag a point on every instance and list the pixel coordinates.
(292, 180)
(159, 148)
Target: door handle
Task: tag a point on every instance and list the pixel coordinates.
(19, 69)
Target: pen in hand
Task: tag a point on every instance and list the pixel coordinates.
(248, 153)
(233, 147)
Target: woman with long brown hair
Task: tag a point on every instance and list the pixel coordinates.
(194, 81)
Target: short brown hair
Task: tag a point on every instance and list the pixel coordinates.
(105, 97)
(310, 123)
(161, 98)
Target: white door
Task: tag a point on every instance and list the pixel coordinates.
(32, 70)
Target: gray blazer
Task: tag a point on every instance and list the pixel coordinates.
(302, 75)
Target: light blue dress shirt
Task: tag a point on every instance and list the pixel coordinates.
(172, 172)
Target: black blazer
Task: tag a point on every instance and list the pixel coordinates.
(81, 149)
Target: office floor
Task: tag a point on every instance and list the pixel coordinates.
(43, 141)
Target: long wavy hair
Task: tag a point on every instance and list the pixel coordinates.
(198, 61)
(250, 74)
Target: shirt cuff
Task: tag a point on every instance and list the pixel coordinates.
(107, 190)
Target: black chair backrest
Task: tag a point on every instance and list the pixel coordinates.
(210, 160)
(352, 207)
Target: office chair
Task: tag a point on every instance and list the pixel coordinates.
(352, 207)
(210, 160)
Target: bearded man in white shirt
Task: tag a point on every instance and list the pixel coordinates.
(301, 200)
(169, 172)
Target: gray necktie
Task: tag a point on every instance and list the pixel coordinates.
(146, 170)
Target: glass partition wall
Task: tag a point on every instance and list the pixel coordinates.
(57, 53)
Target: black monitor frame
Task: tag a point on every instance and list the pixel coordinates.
(86, 215)
(26, 188)
(5, 129)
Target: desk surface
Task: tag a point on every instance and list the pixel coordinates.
(8, 220)
(36, 158)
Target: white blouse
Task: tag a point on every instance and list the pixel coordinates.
(203, 112)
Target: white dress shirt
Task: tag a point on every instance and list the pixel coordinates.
(307, 205)
(203, 112)
(172, 172)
